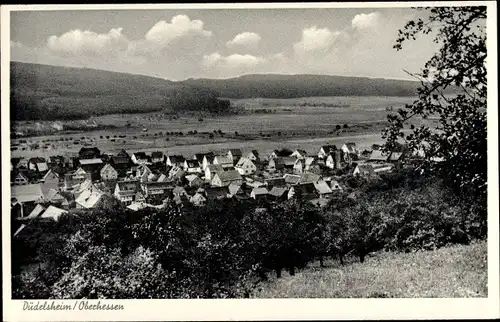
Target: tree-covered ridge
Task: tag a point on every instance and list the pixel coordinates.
(42, 92)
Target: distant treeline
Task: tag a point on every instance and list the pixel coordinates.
(294, 86)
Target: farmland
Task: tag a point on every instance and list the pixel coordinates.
(305, 122)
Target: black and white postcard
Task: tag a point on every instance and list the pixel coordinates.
(250, 161)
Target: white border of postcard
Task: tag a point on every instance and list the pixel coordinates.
(267, 309)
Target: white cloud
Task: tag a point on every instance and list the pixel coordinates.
(366, 21)
(248, 39)
(315, 39)
(180, 26)
(232, 61)
(78, 42)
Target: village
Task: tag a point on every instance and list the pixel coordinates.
(49, 188)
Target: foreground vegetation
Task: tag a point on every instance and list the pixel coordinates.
(449, 272)
(227, 248)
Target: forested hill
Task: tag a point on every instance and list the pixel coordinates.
(43, 92)
(292, 86)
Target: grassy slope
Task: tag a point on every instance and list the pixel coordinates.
(455, 271)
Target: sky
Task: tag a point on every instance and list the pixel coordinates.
(222, 43)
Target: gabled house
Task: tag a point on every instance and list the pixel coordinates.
(193, 180)
(108, 173)
(350, 148)
(235, 190)
(22, 164)
(176, 173)
(211, 169)
(92, 166)
(303, 191)
(20, 179)
(275, 182)
(55, 197)
(140, 158)
(143, 173)
(291, 179)
(254, 182)
(223, 161)
(378, 156)
(259, 193)
(216, 193)
(335, 160)
(312, 165)
(179, 191)
(299, 154)
(28, 193)
(198, 199)
(53, 213)
(51, 179)
(225, 178)
(75, 178)
(281, 163)
(234, 155)
(363, 170)
(325, 150)
(335, 186)
(156, 189)
(175, 160)
(245, 166)
(89, 198)
(207, 160)
(192, 166)
(322, 189)
(308, 177)
(89, 153)
(37, 164)
(126, 191)
(298, 167)
(278, 194)
(253, 155)
(157, 157)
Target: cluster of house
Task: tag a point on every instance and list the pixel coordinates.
(48, 188)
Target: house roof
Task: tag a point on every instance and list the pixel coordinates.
(162, 178)
(223, 160)
(36, 160)
(192, 177)
(234, 189)
(209, 156)
(308, 177)
(42, 167)
(301, 152)
(50, 172)
(351, 147)
(192, 163)
(123, 153)
(53, 194)
(378, 155)
(365, 167)
(291, 178)
(260, 191)
(89, 198)
(215, 168)
(309, 161)
(395, 156)
(53, 212)
(27, 193)
(329, 148)
(322, 187)
(128, 187)
(216, 192)
(90, 161)
(198, 197)
(156, 184)
(176, 158)
(235, 152)
(242, 161)
(304, 189)
(280, 181)
(278, 191)
(382, 167)
(179, 190)
(230, 175)
(254, 152)
(157, 154)
(286, 161)
(199, 156)
(107, 167)
(37, 211)
(140, 155)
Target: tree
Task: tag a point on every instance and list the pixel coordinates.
(460, 136)
(338, 127)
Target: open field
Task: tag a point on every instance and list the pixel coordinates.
(288, 124)
(450, 272)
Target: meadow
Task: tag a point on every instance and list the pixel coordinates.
(450, 272)
(307, 123)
